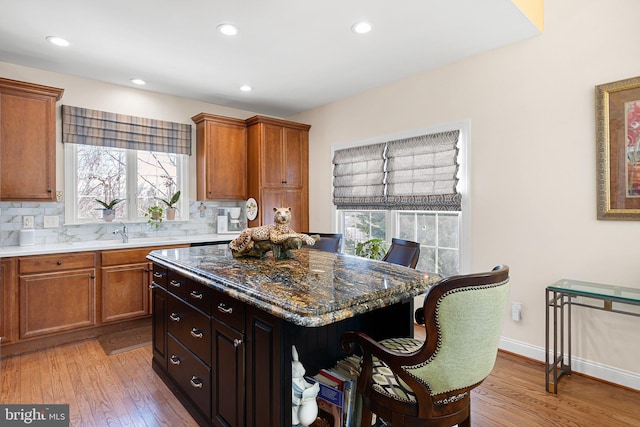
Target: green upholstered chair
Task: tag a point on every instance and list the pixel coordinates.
(411, 382)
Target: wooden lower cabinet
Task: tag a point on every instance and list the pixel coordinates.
(227, 365)
(7, 300)
(56, 302)
(125, 292)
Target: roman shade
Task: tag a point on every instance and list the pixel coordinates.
(417, 173)
(101, 128)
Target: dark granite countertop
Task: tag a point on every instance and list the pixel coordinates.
(315, 289)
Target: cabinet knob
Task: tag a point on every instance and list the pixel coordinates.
(92, 277)
(49, 191)
(59, 262)
(237, 342)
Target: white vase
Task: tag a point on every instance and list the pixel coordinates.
(171, 214)
(108, 215)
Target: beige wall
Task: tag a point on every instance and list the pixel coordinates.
(533, 165)
(96, 95)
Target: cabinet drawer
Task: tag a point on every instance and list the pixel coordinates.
(191, 327)
(159, 276)
(190, 374)
(199, 296)
(54, 263)
(177, 284)
(130, 256)
(229, 311)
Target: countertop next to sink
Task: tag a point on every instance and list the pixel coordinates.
(98, 245)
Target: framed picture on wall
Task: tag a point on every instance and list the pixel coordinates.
(618, 149)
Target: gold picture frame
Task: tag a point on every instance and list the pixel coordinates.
(618, 149)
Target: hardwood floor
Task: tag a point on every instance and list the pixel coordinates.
(122, 390)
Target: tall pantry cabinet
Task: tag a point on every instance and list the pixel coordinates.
(278, 169)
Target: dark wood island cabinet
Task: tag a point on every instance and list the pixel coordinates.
(223, 328)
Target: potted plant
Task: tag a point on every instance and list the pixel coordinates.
(171, 208)
(155, 215)
(108, 209)
(372, 249)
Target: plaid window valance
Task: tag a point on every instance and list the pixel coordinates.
(418, 173)
(93, 127)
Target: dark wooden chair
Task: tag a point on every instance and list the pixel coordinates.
(403, 252)
(329, 242)
(410, 382)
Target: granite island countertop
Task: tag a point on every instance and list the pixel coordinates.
(316, 288)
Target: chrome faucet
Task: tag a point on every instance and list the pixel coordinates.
(124, 233)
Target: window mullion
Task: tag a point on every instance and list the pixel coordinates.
(132, 184)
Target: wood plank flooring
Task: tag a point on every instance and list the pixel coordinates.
(122, 390)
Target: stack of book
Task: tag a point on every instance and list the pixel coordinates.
(337, 402)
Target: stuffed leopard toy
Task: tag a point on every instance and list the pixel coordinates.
(276, 235)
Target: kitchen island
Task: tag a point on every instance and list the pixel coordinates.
(224, 326)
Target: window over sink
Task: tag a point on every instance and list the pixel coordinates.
(138, 177)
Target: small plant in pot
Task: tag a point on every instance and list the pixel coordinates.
(155, 215)
(171, 205)
(108, 209)
(372, 249)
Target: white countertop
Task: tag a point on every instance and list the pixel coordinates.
(99, 245)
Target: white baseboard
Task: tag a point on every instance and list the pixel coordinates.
(583, 366)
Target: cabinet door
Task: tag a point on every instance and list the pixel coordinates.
(57, 302)
(265, 383)
(125, 292)
(279, 197)
(224, 176)
(159, 325)
(295, 154)
(6, 300)
(227, 366)
(27, 152)
(273, 166)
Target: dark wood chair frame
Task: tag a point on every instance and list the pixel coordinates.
(329, 242)
(428, 410)
(408, 251)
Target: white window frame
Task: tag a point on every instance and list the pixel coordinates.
(464, 182)
(71, 184)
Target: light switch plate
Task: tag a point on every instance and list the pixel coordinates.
(51, 221)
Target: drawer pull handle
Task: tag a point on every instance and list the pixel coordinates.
(196, 294)
(237, 342)
(175, 317)
(196, 382)
(175, 283)
(224, 309)
(59, 262)
(156, 274)
(196, 333)
(175, 360)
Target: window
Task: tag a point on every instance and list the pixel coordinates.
(406, 188)
(114, 156)
(138, 177)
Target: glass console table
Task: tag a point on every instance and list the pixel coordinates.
(561, 296)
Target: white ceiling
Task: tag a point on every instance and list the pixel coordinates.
(296, 54)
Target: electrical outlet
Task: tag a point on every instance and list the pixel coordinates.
(27, 221)
(51, 221)
(516, 311)
(59, 196)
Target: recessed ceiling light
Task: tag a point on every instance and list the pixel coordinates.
(246, 88)
(361, 27)
(58, 41)
(227, 29)
(137, 81)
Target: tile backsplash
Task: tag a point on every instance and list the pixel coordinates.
(11, 217)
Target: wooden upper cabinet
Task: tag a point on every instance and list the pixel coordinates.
(221, 157)
(27, 141)
(278, 171)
